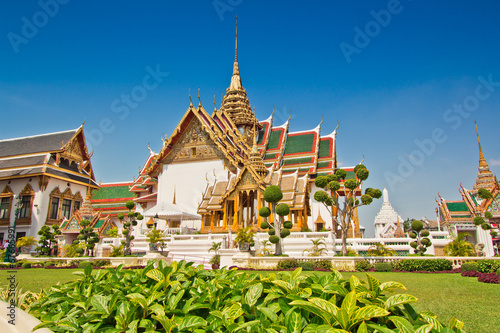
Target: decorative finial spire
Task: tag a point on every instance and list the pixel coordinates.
(190, 100)
(215, 105)
(236, 69)
(485, 178)
(199, 100)
(236, 80)
(173, 201)
(481, 155)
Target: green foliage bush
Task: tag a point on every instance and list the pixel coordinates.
(323, 264)
(383, 267)
(363, 265)
(49, 263)
(101, 262)
(26, 265)
(84, 264)
(74, 262)
(182, 298)
(307, 266)
(428, 265)
(498, 271)
(487, 265)
(273, 194)
(469, 267)
(288, 225)
(287, 264)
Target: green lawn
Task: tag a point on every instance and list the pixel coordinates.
(447, 295)
(36, 279)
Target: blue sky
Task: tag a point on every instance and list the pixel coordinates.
(404, 79)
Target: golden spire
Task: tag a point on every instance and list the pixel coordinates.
(236, 70)
(190, 100)
(482, 160)
(485, 178)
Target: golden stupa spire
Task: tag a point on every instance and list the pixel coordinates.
(482, 160)
(236, 70)
(236, 79)
(485, 178)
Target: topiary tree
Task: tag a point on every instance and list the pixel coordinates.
(342, 211)
(88, 237)
(421, 241)
(47, 242)
(279, 229)
(483, 220)
(127, 226)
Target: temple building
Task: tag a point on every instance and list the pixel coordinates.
(210, 174)
(458, 215)
(47, 175)
(388, 224)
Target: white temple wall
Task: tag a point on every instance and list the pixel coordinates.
(316, 209)
(40, 204)
(189, 181)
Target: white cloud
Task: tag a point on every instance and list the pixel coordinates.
(494, 162)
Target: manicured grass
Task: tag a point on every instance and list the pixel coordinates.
(36, 279)
(446, 295)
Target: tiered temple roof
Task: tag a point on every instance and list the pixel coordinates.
(60, 155)
(110, 199)
(471, 205)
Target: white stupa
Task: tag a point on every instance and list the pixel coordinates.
(388, 222)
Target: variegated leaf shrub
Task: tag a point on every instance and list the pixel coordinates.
(183, 298)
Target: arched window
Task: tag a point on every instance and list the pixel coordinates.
(67, 196)
(55, 201)
(27, 195)
(5, 205)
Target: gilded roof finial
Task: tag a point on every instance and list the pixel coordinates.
(199, 100)
(236, 69)
(274, 109)
(173, 201)
(362, 160)
(321, 122)
(336, 128)
(215, 105)
(190, 100)
(481, 155)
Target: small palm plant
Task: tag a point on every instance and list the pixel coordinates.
(460, 247)
(266, 250)
(380, 250)
(215, 260)
(318, 249)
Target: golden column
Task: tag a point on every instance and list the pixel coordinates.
(236, 209)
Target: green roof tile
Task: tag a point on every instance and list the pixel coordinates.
(262, 132)
(98, 224)
(323, 164)
(324, 148)
(457, 206)
(274, 139)
(299, 144)
(112, 192)
(297, 160)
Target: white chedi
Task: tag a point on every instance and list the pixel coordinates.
(387, 219)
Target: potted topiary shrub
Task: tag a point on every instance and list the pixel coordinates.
(245, 239)
(154, 237)
(25, 243)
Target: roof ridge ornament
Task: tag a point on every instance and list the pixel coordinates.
(199, 100)
(190, 100)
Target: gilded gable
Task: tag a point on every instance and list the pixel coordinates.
(194, 145)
